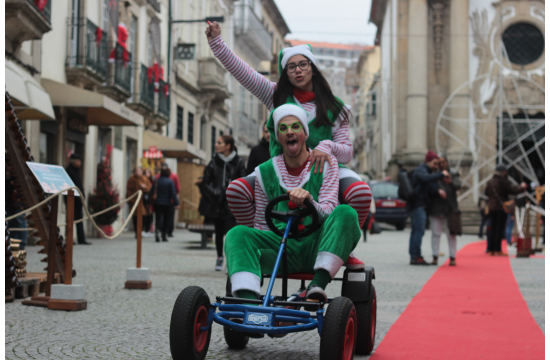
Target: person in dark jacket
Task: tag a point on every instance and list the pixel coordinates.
(224, 167)
(204, 209)
(442, 208)
(498, 189)
(73, 170)
(166, 197)
(259, 153)
(425, 186)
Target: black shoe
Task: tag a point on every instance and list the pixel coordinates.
(419, 261)
(170, 235)
(157, 239)
(435, 261)
(84, 243)
(164, 238)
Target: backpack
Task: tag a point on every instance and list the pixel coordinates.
(406, 190)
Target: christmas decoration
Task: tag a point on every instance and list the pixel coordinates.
(105, 194)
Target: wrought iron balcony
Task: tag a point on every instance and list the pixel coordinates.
(163, 100)
(122, 68)
(24, 20)
(146, 89)
(87, 52)
(250, 28)
(46, 12)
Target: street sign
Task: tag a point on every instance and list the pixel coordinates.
(52, 178)
(185, 51)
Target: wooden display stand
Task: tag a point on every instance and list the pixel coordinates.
(138, 277)
(68, 304)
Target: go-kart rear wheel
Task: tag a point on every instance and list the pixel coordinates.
(190, 313)
(339, 330)
(366, 323)
(235, 339)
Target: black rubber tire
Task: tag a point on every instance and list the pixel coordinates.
(400, 226)
(366, 318)
(235, 339)
(187, 305)
(333, 334)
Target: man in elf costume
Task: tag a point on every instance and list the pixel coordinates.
(251, 252)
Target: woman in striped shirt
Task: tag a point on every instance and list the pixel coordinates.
(303, 84)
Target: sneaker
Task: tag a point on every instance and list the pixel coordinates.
(315, 294)
(354, 263)
(418, 261)
(219, 264)
(146, 234)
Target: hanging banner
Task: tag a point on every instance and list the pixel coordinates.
(113, 14)
(154, 33)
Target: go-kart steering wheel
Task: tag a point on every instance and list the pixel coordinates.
(284, 216)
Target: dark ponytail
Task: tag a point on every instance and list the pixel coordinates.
(324, 99)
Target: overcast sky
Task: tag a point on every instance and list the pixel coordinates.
(342, 21)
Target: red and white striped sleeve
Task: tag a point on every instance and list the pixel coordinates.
(328, 194)
(261, 204)
(340, 146)
(249, 78)
(240, 199)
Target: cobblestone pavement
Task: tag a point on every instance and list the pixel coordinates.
(134, 324)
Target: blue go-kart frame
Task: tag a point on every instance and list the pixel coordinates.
(194, 315)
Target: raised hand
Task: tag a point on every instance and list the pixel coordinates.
(213, 30)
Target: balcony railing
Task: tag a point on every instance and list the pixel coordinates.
(164, 100)
(250, 27)
(46, 11)
(123, 68)
(155, 4)
(146, 89)
(87, 46)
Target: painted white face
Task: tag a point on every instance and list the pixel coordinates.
(293, 143)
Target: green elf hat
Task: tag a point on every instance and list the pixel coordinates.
(286, 53)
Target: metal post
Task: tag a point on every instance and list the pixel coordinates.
(138, 235)
(52, 243)
(69, 239)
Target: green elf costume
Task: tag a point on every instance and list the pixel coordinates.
(251, 252)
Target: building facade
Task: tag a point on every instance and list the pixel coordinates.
(461, 78)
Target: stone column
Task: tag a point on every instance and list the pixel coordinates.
(417, 77)
(459, 74)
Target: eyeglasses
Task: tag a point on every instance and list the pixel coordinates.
(295, 126)
(304, 65)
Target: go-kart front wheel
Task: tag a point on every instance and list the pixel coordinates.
(190, 313)
(339, 330)
(366, 323)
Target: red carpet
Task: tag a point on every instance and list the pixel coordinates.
(472, 311)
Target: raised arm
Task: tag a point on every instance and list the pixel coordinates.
(249, 78)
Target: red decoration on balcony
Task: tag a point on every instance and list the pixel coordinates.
(122, 38)
(98, 35)
(156, 71)
(166, 90)
(40, 4)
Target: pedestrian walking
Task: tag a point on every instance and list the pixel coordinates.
(498, 190)
(204, 209)
(171, 217)
(483, 207)
(138, 181)
(73, 170)
(224, 167)
(303, 84)
(163, 195)
(424, 182)
(148, 218)
(444, 213)
(259, 153)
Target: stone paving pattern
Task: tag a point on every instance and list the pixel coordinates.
(134, 324)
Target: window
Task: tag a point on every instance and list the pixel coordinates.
(373, 104)
(46, 148)
(213, 140)
(105, 15)
(179, 123)
(524, 43)
(190, 127)
(118, 137)
(150, 53)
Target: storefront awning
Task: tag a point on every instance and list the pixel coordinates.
(31, 101)
(171, 148)
(101, 109)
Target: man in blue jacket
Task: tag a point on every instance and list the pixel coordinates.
(424, 181)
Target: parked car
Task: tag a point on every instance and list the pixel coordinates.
(389, 208)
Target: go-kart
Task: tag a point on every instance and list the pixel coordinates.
(348, 327)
